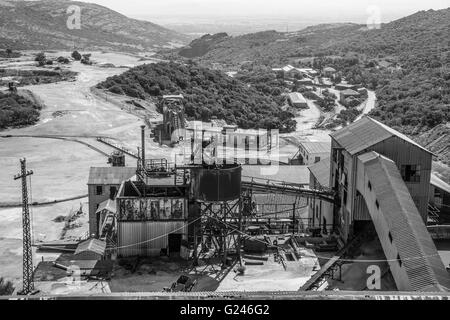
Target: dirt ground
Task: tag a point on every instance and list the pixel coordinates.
(153, 275)
(272, 276)
(60, 168)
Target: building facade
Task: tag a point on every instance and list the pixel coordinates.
(310, 153)
(103, 184)
(412, 160)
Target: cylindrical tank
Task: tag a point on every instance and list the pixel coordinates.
(211, 184)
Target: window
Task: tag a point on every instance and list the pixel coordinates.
(411, 173)
(112, 192)
(377, 204)
(99, 190)
(369, 185)
(317, 159)
(399, 260)
(390, 237)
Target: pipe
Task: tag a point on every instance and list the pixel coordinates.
(143, 145)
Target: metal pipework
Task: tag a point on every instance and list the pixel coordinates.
(143, 145)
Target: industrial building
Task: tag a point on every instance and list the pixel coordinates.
(310, 152)
(372, 176)
(439, 200)
(383, 177)
(103, 185)
(320, 211)
(297, 100)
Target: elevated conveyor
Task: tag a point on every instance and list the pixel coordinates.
(279, 187)
(412, 256)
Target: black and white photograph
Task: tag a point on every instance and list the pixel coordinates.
(240, 153)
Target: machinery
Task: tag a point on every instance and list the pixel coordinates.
(171, 130)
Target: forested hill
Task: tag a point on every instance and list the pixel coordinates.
(406, 61)
(208, 94)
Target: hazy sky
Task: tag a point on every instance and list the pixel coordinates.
(337, 10)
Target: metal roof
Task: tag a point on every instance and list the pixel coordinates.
(321, 171)
(282, 173)
(109, 205)
(366, 133)
(438, 183)
(297, 97)
(93, 245)
(110, 175)
(421, 260)
(316, 146)
(350, 92)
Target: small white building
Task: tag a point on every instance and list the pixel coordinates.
(310, 153)
(297, 100)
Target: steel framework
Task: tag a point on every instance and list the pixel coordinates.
(28, 285)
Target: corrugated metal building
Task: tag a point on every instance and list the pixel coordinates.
(440, 198)
(152, 218)
(310, 152)
(412, 256)
(91, 249)
(412, 160)
(320, 212)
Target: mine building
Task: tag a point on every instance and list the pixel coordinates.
(103, 185)
(439, 201)
(310, 152)
(320, 211)
(382, 177)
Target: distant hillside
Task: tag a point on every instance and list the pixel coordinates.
(202, 46)
(43, 25)
(407, 62)
(208, 94)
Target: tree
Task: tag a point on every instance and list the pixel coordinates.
(76, 55)
(6, 287)
(41, 59)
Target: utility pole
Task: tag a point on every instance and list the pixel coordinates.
(28, 285)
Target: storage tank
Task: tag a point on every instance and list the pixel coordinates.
(216, 184)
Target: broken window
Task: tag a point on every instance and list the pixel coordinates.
(99, 190)
(411, 173)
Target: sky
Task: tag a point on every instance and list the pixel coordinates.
(334, 10)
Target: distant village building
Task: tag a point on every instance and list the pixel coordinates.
(103, 185)
(347, 94)
(297, 100)
(290, 72)
(328, 72)
(345, 86)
